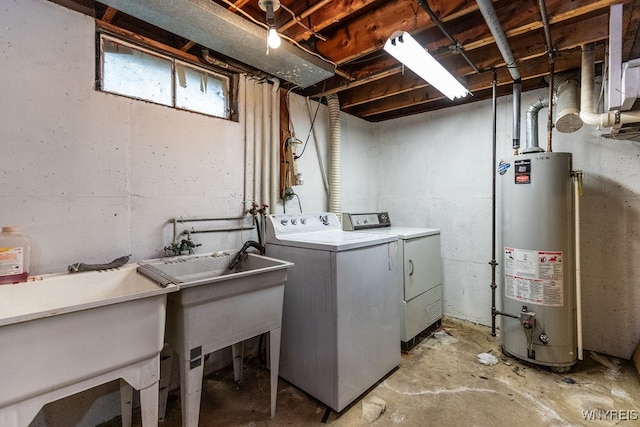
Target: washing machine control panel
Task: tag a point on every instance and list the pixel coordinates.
(303, 223)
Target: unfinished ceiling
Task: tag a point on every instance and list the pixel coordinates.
(372, 85)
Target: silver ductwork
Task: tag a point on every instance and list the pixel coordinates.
(568, 106)
(222, 31)
(532, 126)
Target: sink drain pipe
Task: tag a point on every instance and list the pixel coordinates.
(335, 157)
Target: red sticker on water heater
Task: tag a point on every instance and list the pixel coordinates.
(522, 169)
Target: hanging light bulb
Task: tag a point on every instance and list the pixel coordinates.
(273, 39)
(270, 6)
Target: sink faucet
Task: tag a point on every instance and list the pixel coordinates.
(248, 243)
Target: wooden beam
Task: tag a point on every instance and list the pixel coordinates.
(237, 5)
(524, 47)
(323, 17)
(369, 32)
(188, 46)
(109, 14)
(532, 69)
(303, 15)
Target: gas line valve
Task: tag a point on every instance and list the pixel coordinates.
(527, 318)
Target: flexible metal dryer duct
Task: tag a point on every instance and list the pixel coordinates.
(490, 17)
(335, 157)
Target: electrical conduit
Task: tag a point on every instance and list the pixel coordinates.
(335, 156)
(275, 144)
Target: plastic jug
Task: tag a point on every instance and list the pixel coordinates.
(15, 250)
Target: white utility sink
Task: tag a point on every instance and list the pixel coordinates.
(217, 308)
(64, 333)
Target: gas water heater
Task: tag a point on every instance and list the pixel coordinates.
(538, 322)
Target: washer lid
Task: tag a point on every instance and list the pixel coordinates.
(320, 231)
(333, 241)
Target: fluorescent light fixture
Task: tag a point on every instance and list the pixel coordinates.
(408, 51)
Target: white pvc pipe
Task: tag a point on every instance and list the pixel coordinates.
(257, 144)
(275, 145)
(266, 136)
(576, 185)
(335, 160)
(587, 106)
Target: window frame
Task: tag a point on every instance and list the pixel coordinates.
(229, 79)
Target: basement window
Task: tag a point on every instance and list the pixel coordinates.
(133, 71)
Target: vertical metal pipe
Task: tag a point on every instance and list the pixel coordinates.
(493, 262)
(550, 108)
(552, 60)
(517, 90)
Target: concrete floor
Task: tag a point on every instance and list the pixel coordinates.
(440, 382)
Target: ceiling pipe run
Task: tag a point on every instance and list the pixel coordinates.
(552, 64)
(587, 105)
(220, 30)
(491, 18)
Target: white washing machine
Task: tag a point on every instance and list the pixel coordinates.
(422, 272)
(341, 315)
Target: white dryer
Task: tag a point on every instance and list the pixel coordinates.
(422, 272)
(341, 315)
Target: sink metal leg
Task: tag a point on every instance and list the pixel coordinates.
(126, 403)
(237, 352)
(191, 391)
(274, 364)
(149, 405)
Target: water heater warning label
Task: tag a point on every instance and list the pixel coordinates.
(534, 276)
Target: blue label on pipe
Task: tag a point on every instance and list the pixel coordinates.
(503, 166)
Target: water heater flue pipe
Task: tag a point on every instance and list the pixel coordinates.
(335, 156)
(532, 126)
(587, 106)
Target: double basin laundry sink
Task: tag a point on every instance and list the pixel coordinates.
(65, 333)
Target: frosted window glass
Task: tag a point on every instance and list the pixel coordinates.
(134, 73)
(198, 90)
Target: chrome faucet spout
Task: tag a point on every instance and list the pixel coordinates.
(241, 252)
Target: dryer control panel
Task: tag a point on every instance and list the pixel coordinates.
(351, 222)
